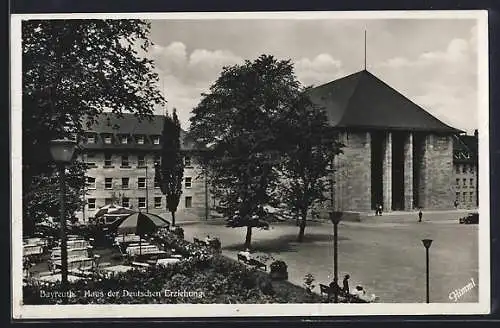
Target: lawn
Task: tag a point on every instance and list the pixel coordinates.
(386, 257)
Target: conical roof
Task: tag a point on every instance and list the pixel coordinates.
(361, 100)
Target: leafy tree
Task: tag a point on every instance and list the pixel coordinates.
(238, 119)
(310, 149)
(72, 71)
(172, 164)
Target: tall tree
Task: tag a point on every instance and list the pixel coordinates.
(172, 163)
(72, 70)
(237, 119)
(310, 147)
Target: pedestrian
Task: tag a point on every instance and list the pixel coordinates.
(380, 209)
(420, 216)
(345, 284)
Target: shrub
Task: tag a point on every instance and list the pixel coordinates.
(279, 270)
(178, 231)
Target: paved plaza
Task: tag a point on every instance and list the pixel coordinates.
(384, 254)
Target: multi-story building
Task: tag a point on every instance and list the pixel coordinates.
(465, 167)
(121, 154)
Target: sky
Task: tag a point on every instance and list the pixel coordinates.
(433, 62)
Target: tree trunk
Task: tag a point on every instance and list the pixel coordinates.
(248, 238)
(173, 218)
(302, 229)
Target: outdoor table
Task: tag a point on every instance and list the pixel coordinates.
(117, 269)
(76, 263)
(165, 262)
(145, 243)
(57, 277)
(32, 250)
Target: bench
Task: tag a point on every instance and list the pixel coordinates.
(242, 258)
(257, 264)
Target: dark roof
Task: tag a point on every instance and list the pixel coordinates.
(361, 100)
(129, 124)
(465, 148)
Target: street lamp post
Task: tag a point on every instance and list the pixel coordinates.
(427, 244)
(62, 151)
(335, 218)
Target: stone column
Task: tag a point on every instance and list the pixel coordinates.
(387, 173)
(408, 172)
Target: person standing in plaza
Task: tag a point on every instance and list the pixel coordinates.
(345, 284)
(420, 215)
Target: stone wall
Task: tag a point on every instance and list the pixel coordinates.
(437, 189)
(353, 173)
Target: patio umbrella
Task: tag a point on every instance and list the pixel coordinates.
(141, 223)
(107, 209)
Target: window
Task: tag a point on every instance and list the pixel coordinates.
(124, 140)
(107, 139)
(457, 196)
(157, 183)
(140, 140)
(108, 183)
(107, 160)
(187, 161)
(156, 140)
(91, 139)
(142, 202)
(457, 169)
(464, 197)
(141, 182)
(458, 182)
(125, 162)
(465, 182)
(90, 183)
(125, 202)
(91, 160)
(141, 161)
(464, 168)
(91, 202)
(125, 182)
(471, 181)
(187, 182)
(188, 202)
(471, 196)
(108, 201)
(157, 159)
(157, 202)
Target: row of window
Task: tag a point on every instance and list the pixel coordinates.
(123, 139)
(141, 202)
(125, 160)
(464, 168)
(464, 182)
(464, 197)
(125, 183)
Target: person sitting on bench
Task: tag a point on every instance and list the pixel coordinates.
(334, 287)
(246, 254)
(207, 240)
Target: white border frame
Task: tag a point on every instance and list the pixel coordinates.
(20, 311)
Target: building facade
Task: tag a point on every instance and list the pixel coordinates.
(395, 153)
(465, 167)
(121, 154)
